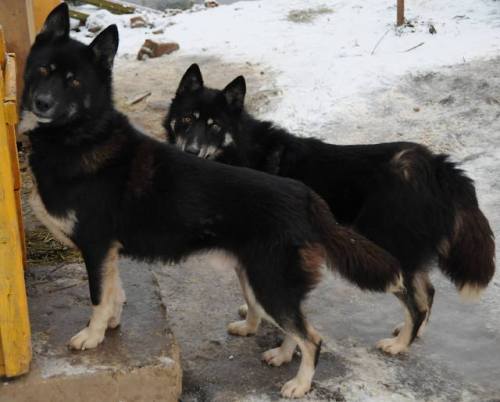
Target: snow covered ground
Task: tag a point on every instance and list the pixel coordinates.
(332, 57)
(341, 71)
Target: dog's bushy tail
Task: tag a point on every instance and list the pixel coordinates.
(356, 258)
(467, 253)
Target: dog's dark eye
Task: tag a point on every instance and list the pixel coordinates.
(187, 119)
(43, 71)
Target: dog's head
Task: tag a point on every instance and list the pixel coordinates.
(202, 121)
(65, 80)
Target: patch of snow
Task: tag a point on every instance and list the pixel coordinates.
(166, 361)
(57, 367)
(371, 377)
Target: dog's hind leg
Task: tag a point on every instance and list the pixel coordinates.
(106, 294)
(250, 324)
(282, 354)
(415, 314)
(424, 295)
(310, 346)
(430, 290)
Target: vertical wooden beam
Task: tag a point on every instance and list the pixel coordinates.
(401, 13)
(15, 343)
(16, 17)
(41, 9)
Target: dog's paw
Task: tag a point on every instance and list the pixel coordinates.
(240, 328)
(243, 310)
(86, 339)
(295, 388)
(276, 357)
(392, 346)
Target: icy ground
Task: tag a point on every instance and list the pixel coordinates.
(318, 68)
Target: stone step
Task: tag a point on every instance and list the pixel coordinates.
(138, 361)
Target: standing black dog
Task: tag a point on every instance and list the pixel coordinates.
(109, 189)
(411, 202)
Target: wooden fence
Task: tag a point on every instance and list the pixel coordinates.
(15, 342)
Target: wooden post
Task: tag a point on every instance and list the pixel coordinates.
(41, 9)
(15, 343)
(401, 13)
(16, 17)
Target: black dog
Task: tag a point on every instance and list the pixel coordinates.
(411, 202)
(108, 189)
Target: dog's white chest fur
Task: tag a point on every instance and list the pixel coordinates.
(60, 227)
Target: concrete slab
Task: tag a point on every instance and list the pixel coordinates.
(138, 361)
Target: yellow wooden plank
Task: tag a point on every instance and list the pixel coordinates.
(10, 80)
(22, 236)
(3, 50)
(41, 9)
(11, 116)
(2, 89)
(16, 17)
(11, 144)
(14, 321)
(2, 365)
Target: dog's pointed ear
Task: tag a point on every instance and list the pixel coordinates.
(234, 93)
(105, 46)
(57, 23)
(191, 81)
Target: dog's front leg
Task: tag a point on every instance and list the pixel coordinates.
(106, 294)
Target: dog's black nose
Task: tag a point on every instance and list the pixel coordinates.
(191, 149)
(43, 103)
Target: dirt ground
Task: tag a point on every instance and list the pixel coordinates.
(454, 109)
(160, 77)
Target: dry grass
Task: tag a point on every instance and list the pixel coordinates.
(41, 247)
(307, 15)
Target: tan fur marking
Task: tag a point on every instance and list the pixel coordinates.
(397, 285)
(251, 324)
(420, 284)
(459, 222)
(313, 258)
(28, 122)
(298, 386)
(398, 344)
(403, 163)
(283, 354)
(108, 312)
(444, 248)
(95, 159)
(470, 292)
(61, 228)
